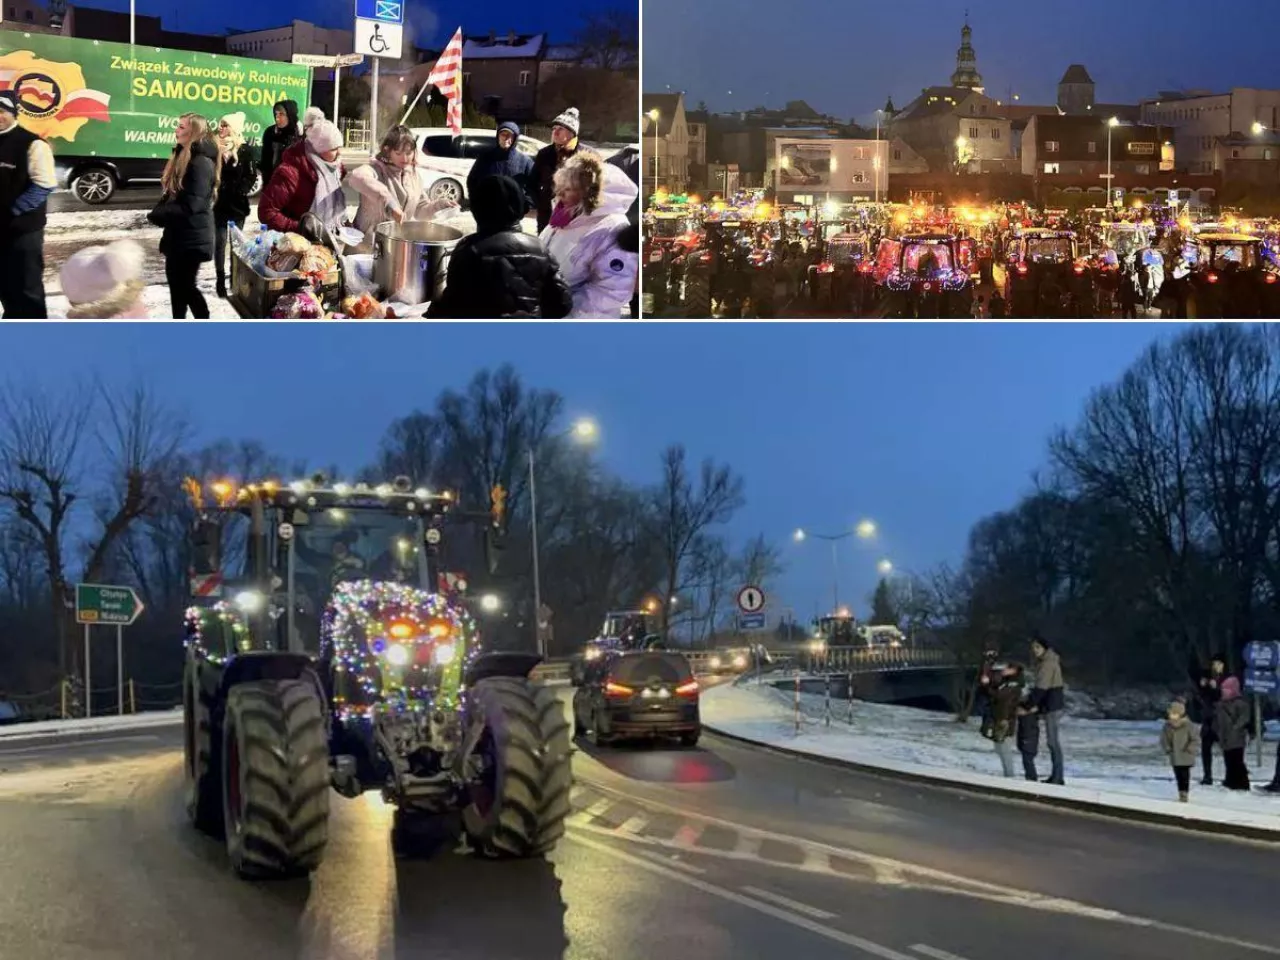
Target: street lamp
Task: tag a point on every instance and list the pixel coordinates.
(1258, 128)
(1111, 125)
(490, 603)
(583, 430)
(865, 530)
(654, 114)
(887, 569)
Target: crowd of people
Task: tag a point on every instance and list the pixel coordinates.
(582, 262)
(1015, 700)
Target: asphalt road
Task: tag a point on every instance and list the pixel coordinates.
(716, 853)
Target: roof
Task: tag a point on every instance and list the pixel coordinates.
(510, 47)
(933, 101)
(561, 52)
(698, 116)
(1076, 73)
(666, 104)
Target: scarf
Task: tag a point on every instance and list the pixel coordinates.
(397, 181)
(329, 204)
(562, 216)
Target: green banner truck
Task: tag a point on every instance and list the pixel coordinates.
(109, 109)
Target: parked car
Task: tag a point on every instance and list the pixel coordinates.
(446, 160)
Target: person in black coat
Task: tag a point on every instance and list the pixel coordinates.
(1207, 687)
(185, 213)
(279, 138)
(563, 145)
(239, 174)
(500, 271)
(504, 159)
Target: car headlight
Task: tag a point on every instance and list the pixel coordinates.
(715, 663)
(739, 662)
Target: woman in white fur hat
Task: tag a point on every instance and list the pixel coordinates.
(105, 283)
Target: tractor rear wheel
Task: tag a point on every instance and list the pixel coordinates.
(200, 762)
(697, 294)
(275, 778)
(520, 801)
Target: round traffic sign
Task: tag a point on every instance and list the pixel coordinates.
(750, 599)
(433, 536)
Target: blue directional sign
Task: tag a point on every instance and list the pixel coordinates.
(384, 11)
(1261, 681)
(751, 621)
(1263, 655)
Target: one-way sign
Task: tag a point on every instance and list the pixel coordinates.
(97, 603)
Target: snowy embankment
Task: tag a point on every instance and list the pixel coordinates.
(1116, 764)
(79, 726)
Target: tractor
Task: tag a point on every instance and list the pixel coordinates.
(346, 659)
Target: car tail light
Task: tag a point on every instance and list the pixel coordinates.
(826, 268)
(687, 689)
(1271, 278)
(612, 689)
(1212, 278)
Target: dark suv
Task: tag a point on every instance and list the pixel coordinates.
(638, 694)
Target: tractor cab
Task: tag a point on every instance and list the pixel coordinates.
(1230, 277)
(924, 273)
(837, 630)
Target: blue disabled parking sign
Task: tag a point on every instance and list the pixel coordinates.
(384, 11)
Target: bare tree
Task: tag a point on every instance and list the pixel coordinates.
(608, 39)
(683, 510)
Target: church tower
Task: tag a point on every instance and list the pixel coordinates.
(966, 74)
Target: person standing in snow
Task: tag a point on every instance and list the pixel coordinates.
(582, 236)
(1231, 719)
(1004, 716)
(1204, 706)
(1050, 700)
(232, 204)
(27, 177)
(105, 283)
(278, 138)
(390, 188)
(563, 146)
(504, 159)
(1028, 737)
(1180, 740)
(305, 193)
(185, 213)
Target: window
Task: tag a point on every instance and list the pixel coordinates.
(995, 133)
(524, 78)
(440, 147)
(1144, 169)
(1235, 153)
(897, 154)
(1051, 146)
(1266, 153)
(974, 133)
(859, 177)
(1141, 148)
(1051, 168)
(1093, 146)
(27, 16)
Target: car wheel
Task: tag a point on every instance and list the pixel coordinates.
(446, 189)
(257, 186)
(94, 186)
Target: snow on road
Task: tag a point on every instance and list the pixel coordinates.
(68, 232)
(1113, 762)
(88, 725)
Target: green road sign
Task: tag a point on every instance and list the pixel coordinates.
(96, 603)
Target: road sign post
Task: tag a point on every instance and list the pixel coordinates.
(751, 603)
(379, 33)
(105, 605)
(1262, 658)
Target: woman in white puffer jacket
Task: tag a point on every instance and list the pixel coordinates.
(592, 200)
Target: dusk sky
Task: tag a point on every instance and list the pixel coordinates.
(431, 22)
(924, 428)
(846, 58)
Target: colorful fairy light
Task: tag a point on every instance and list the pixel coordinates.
(217, 632)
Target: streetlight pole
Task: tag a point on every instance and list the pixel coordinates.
(654, 114)
(865, 530)
(584, 430)
(1111, 125)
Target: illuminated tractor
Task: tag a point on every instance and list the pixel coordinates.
(1232, 279)
(739, 268)
(669, 237)
(1043, 266)
(922, 276)
(333, 661)
(841, 279)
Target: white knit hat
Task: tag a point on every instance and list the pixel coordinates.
(100, 282)
(311, 116)
(324, 136)
(236, 122)
(569, 120)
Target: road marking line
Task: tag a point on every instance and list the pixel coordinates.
(934, 952)
(790, 904)
(768, 909)
(816, 861)
(748, 846)
(667, 860)
(634, 825)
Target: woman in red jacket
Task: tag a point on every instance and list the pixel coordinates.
(305, 193)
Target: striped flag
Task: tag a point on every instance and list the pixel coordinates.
(446, 76)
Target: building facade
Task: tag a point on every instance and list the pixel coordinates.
(501, 73)
(665, 140)
(1200, 120)
(1060, 152)
(816, 169)
(24, 13)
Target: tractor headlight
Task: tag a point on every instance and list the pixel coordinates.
(592, 653)
(444, 653)
(739, 662)
(397, 654)
(715, 663)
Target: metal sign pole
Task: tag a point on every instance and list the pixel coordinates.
(1257, 726)
(120, 668)
(373, 115)
(88, 684)
(337, 85)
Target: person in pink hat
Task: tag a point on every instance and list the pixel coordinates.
(105, 283)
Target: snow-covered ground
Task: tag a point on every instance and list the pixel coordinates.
(1114, 762)
(62, 728)
(68, 232)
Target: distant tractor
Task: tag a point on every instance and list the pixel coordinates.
(340, 662)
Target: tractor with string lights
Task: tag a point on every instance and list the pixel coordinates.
(922, 275)
(340, 654)
(1043, 270)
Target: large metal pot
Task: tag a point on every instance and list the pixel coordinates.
(411, 259)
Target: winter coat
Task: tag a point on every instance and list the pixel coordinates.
(601, 275)
(548, 160)
(1048, 694)
(235, 186)
(500, 271)
(496, 162)
(1029, 732)
(1208, 691)
(277, 140)
(628, 161)
(1231, 723)
(372, 183)
(292, 190)
(1180, 740)
(187, 217)
(1004, 710)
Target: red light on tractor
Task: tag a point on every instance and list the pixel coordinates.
(687, 689)
(1212, 278)
(612, 689)
(1022, 269)
(1079, 269)
(826, 268)
(1270, 278)
(401, 630)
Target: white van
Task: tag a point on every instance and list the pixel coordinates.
(445, 160)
